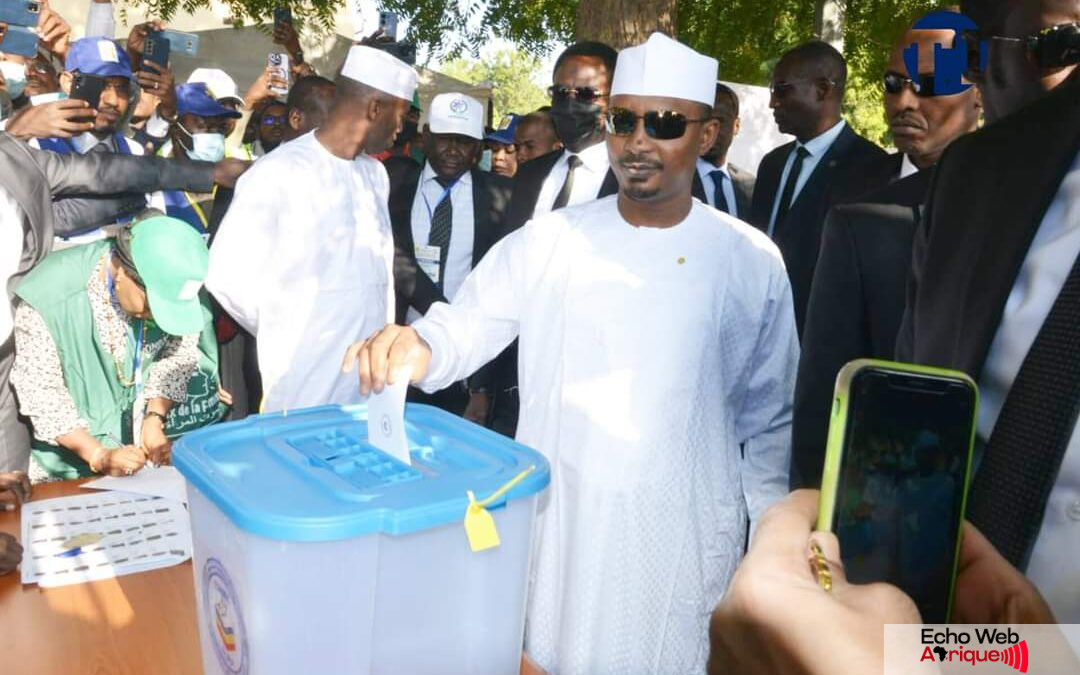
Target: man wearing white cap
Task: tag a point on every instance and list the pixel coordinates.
(303, 257)
(445, 218)
(657, 356)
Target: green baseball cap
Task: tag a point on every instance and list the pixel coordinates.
(172, 260)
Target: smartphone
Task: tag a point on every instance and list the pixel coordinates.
(156, 48)
(87, 88)
(20, 12)
(18, 40)
(897, 470)
(388, 24)
(282, 15)
(279, 63)
(185, 44)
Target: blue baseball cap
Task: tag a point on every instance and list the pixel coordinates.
(505, 133)
(194, 98)
(97, 56)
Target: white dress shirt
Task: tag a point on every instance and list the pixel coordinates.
(907, 167)
(462, 228)
(588, 178)
(705, 170)
(644, 521)
(1054, 566)
(11, 246)
(816, 147)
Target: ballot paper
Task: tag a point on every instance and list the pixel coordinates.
(160, 481)
(386, 418)
(101, 535)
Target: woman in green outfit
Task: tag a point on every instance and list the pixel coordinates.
(107, 341)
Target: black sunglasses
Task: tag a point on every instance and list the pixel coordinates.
(274, 119)
(894, 83)
(663, 125)
(782, 89)
(583, 94)
(1054, 47)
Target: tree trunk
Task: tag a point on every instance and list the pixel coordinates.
(623, 23)
(829, 22)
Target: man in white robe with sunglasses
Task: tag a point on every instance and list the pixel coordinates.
(657, 358)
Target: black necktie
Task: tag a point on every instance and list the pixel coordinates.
(1024, 453)
(788, 194)
(563, 197)
(719, 199)
(441, 224)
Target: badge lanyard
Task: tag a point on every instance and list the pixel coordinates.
(136, 364)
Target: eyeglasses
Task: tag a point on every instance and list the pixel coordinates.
(1054, 47)
(663, 125)
(273, 119)
(894, 83)
(583, 94)
(782, 89)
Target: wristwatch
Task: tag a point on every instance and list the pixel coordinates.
(154, 413)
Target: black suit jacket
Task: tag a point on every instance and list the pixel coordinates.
(741, 181)
(413, 288)
(865, 177)
(990, 193)
(856, 304)
(530, 180)
(799, 236)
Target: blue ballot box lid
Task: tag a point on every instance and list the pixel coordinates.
(311, 475)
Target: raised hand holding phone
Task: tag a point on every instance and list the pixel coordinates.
(896, 476)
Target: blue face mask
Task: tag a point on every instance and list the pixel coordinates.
(205, 147)
(15, 76)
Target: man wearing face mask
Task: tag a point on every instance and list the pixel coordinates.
(304, 258)
(579, 172)
(199, 134)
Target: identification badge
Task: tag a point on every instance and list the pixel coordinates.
(428, 259)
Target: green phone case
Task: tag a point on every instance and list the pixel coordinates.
(834, 449)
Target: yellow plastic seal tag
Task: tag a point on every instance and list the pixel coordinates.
(479, 525)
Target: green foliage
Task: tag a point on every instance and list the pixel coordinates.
(512, 72)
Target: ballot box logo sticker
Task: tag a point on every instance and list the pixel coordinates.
(224, 622)
(951, 61)
(981, 645)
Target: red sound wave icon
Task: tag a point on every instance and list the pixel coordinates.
(1016, 656)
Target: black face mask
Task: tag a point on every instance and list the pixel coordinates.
(577, 123)
(408, 132)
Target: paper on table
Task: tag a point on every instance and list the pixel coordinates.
(386, 418)
(125, 534)
(161, 481)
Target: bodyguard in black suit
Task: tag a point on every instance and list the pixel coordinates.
(993, 254)
(447, 200)
(791, 197)
(855, 307)
(717, 183)
(580, 171)
(857, 296)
